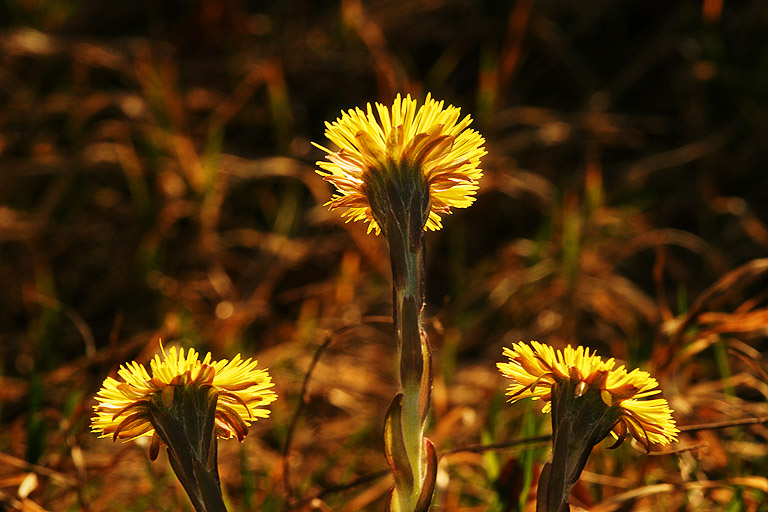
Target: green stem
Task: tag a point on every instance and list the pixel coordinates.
(578, 424)
(403, 228)
(185, 421)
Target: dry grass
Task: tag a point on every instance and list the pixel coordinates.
(157, 181)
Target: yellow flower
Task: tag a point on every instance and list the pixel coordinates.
(536, 368)
(428, 150)
(241, 391)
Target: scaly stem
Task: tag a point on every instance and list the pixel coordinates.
(184, 418)
(403, 229)
(579, 422)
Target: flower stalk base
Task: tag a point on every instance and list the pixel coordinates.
(184, 419)
(580, 420)
(411, 456)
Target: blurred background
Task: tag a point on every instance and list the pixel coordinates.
(157, 181)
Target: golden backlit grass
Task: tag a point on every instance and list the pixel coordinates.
(161, 184)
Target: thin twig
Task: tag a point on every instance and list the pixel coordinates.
(354, 483)
(678, 451)
(476, 448)
(723, 424)
(304, 400)
(479, 448)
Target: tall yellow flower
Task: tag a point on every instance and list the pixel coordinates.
(400, 169)
(241, 392)
(536, 369)
(427, 152)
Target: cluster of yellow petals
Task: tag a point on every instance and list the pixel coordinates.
(242, 391)
(534, 369)
(430, 140)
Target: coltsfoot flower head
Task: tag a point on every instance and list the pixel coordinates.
(537, 371)
(429, 153)
(128, 408)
